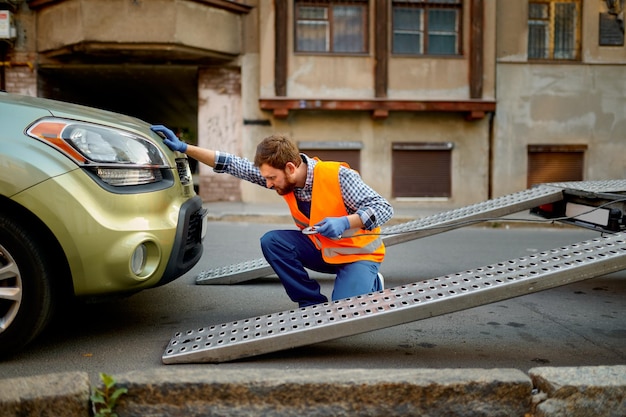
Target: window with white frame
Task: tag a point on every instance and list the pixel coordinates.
(335, 27)
(426, 27)
(554, 28)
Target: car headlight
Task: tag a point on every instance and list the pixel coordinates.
(118, 157)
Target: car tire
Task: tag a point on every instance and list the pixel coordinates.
(26, 293)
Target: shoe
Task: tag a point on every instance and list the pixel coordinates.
(382, 281)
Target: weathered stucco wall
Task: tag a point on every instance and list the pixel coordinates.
(267, 48)
(573, 103)
(559, 104)
(418, 78)
(327, 77)
(428, 78)
(470, 156)
(156, 21)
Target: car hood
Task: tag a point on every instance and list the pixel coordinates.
(78, 112)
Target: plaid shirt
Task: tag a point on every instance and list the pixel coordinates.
(358, 197)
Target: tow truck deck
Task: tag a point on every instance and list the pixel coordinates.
(597, 205)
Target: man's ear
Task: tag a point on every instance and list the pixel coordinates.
(290, 167)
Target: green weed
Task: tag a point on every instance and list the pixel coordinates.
(104, 400)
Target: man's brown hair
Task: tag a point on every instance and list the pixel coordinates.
(276, 151)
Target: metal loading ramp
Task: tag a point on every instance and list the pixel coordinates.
(427, 226)
(399, 305)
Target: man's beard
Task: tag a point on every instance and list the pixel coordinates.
(288, 188)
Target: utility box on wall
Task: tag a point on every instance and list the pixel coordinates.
(7, 28)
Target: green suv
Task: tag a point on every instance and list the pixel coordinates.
(91, 203)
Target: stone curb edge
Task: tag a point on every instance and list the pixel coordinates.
(211, 390)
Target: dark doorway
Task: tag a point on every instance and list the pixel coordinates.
(157, 94)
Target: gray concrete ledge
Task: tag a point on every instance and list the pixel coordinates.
(214, 391)
(331, 392)
(52, 395)
(580, 391)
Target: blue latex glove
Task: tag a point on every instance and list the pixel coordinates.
(171, 140)
(333, 227)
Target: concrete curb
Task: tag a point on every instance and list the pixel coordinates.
(65, 394)
(213, 390)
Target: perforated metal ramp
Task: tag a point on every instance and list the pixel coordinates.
(399, 305)
(438, 223)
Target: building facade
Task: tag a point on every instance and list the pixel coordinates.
(435, 102)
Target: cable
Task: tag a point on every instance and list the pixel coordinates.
(490, 219)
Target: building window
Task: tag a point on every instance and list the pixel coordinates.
(336, 27)
(426, 27)
(555, 163)
(554, 29)
(422, 170)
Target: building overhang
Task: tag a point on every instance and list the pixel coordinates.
(207, 31)
(230, 5)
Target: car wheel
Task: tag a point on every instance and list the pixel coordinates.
(25, 286)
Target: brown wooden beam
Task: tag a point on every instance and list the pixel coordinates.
(381, 48)
(380, 108)
(380, 114)
(280, 47)
(476, 48)
(474, 115)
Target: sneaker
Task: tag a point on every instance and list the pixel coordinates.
(381, 279)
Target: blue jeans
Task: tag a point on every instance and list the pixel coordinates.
(289, 252)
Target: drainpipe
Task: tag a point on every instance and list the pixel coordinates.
(491, 157)
(3, 57)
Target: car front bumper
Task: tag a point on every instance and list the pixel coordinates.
(100, 232)
(187, 248)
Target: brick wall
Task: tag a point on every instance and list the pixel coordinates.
(20, 74)
(220, 187)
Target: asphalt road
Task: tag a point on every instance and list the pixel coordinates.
(574, 325)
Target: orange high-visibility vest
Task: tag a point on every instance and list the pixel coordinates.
(327, 201)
